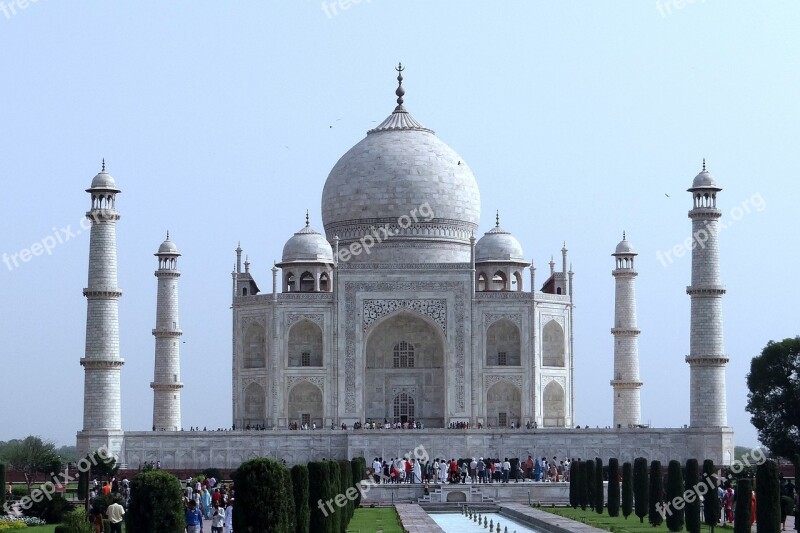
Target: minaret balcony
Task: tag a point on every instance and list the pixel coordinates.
(101, 294)
(90, 362)
(166, 386)
(707, 360)
(705, 212)
(167, 332)
(625, 331)
(103, 215)
(626, 384)
(706, 290)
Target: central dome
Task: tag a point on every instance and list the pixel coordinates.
(406, 189)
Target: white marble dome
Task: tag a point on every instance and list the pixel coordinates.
(704, 180)
(498, 245)
(168, 248)
(625, 247)
(403, 178)
(307, 246)
(104, 180)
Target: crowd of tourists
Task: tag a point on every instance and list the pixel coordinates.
(470, 470)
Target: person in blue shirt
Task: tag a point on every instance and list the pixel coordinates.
(194, 518)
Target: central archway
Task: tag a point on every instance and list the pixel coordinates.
(404, 371)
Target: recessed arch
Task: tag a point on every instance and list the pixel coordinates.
(481, 282)
(553, 344)
(554, 405)
(306, 282)
(305, 404)
(305, 344)
(503, 344)
(499, 281)
(254, 347)
(255, 405)
(503, 404)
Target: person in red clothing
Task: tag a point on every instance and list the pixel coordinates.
(106, 488)
(216, 497)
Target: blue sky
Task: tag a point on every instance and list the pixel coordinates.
(220, 122)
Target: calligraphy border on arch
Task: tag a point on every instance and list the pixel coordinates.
(433, 308)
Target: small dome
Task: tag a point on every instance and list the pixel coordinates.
(498, 245)
(103, 180)
(307, 246)
(704, 180)
(168, 247)
(624, 247)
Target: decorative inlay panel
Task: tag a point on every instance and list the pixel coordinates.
(435, 309)
(491, 318)
(411, 391)
(352, 288)
(291, 381)
(291, 318)
(514, 379)
(558, 318)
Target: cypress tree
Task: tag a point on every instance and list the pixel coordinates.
(574, 484)
(641, 486)
(599, 498)
(346, 474)
(156, 503)
(742, 516)
(258, 481)
(319, 489)
(589, 483)
(692, 510)
(674, 493)
(768, 498)
(627, 490)
(613, 487)
(358, 476)
(300, 492)
(336, 518)
(711, 505)
(656, 501)
(583, 492)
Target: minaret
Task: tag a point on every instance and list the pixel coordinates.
(102, 412)
(626, 384)
(166, 383)
(707, 359)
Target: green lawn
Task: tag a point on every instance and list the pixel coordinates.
(618, 524)
(39, 529)
(377, 520)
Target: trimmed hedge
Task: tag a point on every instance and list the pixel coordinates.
(613, 487)
(675, 518)
(627, 489)
(300, 492)
(692, 510)
(336, 489)
(2, 484)
(588, 483)
(346, 482)
(574, 484)
(656, 495)
(742, 515)
(319, 490)
(599, 499)
(358, 468)
(264, 500)
(156, 503)
(711, 505)
(641, 486)
(768, 498)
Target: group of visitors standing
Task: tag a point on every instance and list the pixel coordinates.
(207, 501)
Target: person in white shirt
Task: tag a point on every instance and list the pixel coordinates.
(115, 512)
(217, 519)
(377, 469)
(229, 516)
(416, 470)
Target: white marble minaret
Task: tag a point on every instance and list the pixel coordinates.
(166, 383)
(707, 359)
(102, 418)
(626, 383)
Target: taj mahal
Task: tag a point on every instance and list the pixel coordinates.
(395, 309)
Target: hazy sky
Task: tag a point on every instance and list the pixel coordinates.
(220, 122)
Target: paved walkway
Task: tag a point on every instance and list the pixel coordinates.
(415, 519)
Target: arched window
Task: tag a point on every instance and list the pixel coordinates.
(403, 407)
(553, 344)
(499, 281)
(403, 355)
(289, 282)
(306, 282)
(481, 281)
(323, 282)
(518, 281)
